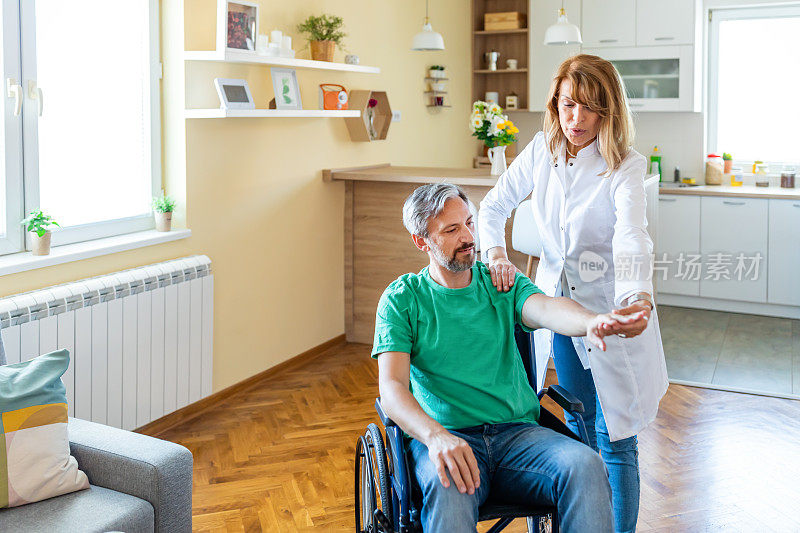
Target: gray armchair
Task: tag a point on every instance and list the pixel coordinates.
(138, 484)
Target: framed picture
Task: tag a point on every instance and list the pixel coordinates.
(234, 94)
(237, 25)
(287, 93)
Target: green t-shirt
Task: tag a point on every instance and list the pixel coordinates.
(466, 369)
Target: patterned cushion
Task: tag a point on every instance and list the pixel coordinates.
(35, 463)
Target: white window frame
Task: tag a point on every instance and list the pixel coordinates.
(29, 152)
(13, 240)
(717, 15)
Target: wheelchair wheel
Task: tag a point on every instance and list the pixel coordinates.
(373, 505)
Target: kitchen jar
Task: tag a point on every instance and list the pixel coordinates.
(787, 177)
(737, 176)
(762, 179)
(713, 169)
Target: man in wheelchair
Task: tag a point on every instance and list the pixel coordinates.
(451, 377)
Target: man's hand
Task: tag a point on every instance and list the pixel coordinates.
(503, 272)
(448, 452)
(609, 324)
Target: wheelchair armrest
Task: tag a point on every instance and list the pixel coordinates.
(387, 422)
(564, 398)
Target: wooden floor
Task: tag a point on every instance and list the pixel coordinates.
(279, 456)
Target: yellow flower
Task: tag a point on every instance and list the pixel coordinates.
(513, 129)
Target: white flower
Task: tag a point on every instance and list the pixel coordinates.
(475, 122)
(494, 127)
(494, 109)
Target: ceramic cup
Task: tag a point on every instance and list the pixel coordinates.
(511, 64)
(351, 59)
(492, 96)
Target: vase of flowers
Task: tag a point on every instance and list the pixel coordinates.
(371, 118)
(490, 125)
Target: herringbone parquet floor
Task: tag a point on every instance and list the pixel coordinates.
(279, 456)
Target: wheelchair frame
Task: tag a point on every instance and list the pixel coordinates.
(376, 477)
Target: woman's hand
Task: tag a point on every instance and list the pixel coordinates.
(605, 324)
(503, 272)
(639, 308)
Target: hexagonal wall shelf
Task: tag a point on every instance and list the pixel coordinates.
(359, 127)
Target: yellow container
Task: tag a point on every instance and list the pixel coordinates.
(737, 179)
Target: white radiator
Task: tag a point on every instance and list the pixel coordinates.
(140, 340)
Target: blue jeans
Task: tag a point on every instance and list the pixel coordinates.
(621, 456)
(519, 464)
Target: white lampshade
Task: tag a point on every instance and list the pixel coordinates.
(427, 39)
(562, 32)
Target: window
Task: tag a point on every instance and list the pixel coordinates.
(85, 145)
(754, 55)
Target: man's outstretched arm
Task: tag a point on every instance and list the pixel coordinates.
(568, 317)
(446, 451)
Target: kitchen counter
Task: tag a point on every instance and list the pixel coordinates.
(420, 175)
(745, 191)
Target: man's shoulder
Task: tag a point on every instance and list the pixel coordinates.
(404, 287)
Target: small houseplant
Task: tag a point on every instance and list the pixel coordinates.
(436, 71)
(727, 162)
(162, 211)
(371, 118)
(38, 225)
(490, 125)
(324, 33)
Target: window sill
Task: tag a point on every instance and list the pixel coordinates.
(20, 262)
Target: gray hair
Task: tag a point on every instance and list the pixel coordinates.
(427, 202)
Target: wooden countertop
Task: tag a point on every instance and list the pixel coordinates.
(745, 191)
(389, 173)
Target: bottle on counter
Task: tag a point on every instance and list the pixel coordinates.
(787, 177)
(714, 169)
(655, 163)
(762, 178)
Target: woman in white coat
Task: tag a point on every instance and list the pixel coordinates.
(588, 198)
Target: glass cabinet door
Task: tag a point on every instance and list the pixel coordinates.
(650, 78)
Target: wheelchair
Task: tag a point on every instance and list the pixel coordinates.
(386, 499)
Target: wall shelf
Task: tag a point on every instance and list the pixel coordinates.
(270, 113)
(500, 71)
(500, 32)
(255, 59)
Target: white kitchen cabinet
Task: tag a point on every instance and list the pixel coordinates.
(734, 226)
(544, 60)
(608, 23)
(678, 236)
(784, 252)
(657, 78)
(661, 22)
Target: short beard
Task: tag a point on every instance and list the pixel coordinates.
(451, 263)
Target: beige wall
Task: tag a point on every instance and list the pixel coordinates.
(252, 192)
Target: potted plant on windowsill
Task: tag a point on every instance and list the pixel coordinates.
(324, 33)
(37, 224)
(162, 211)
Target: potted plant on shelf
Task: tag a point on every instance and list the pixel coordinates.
(436, 71)
(727, 162)
(162, 211)
(37, 224)
(490, 125)
(324, 33)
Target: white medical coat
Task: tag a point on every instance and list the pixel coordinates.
(586, 221)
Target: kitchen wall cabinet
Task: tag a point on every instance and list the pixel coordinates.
(734, 226)
(783, 273)
(678, 236)
(608, 23)
(543, 60)
(660, 22)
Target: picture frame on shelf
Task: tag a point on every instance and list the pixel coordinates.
(237, 26)
(234, 94)
(287, 91)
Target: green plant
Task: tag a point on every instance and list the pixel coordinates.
(38, 222)
(163, 204)
(489, 124)
(323, 28)
(436, 67)
(726, 156)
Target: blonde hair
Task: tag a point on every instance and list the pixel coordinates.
(596, 84)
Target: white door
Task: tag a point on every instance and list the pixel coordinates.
(677, 266)
(784, 252)
(543, 60)
(733, 241)
(660, 22)
(609, 23)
